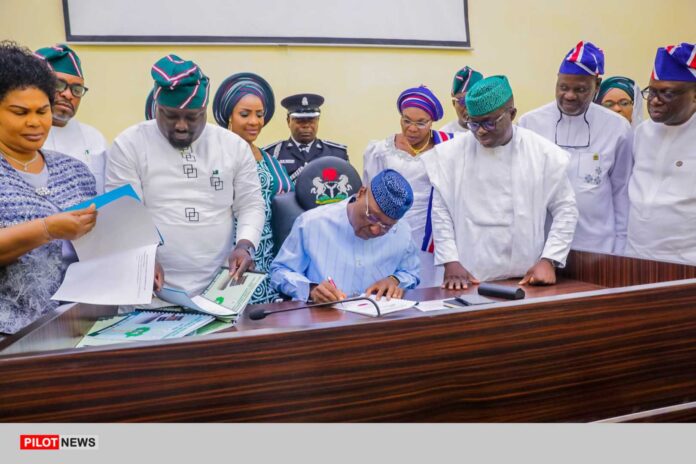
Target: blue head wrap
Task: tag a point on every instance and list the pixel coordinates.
(421, 98)
(392, 193)
(236, 87)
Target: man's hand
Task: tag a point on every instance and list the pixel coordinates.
(326, 292)
(159, 277)
(387, 287)
(542, 273)
(456, 277)
(72, 224)
(241, 260)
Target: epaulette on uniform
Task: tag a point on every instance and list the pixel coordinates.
(336, 145)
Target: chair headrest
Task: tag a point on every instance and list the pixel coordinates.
(325, 180)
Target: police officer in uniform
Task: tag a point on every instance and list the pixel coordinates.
(303, 145)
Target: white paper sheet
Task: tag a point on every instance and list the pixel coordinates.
(385, 306)
(117, 258)
(434, 305)
(121, 278)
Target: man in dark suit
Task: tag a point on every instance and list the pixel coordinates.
(303, 145)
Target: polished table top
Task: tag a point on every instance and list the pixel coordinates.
(326, 314)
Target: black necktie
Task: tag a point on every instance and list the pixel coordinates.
(304, 147)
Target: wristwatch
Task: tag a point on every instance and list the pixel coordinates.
(396, 279)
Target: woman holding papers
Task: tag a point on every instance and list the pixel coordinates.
(35, 186)
(244, 104)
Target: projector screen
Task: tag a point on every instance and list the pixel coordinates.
(398, 23)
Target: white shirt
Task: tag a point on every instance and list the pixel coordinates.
(192, 196)
(490, 204)
(82, 142)
(662, 190)
(383, 154)
(453, 127)
(599, 172)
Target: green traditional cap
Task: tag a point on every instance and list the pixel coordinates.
(487, 95)
(61, 58)
(179, 83)
(464, 79)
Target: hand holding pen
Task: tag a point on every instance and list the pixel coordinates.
(327, 292)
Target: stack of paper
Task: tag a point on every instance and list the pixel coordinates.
(117, 258)
(152, 325)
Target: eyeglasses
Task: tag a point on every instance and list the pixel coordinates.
(460, 100)
(664, 95)
(419, 124)
(622, 103)
(487, 125)
(78, 90)
(372, 219)
(589, 133)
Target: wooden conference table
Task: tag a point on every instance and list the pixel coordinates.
(615, 340)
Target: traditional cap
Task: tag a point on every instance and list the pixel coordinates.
(392, 193)
(150, 105)
(303, 105)
(237, 86)
(675, 63)
(62, 59)
(179, 84)
(584, 59)
(465, 78)
(487, 95)
(421, 98)
(617, 82)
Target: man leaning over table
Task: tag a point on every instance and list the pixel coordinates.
(194, 178)
(356, 246)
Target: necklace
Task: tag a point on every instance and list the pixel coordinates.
(25, 166)
(417, 151)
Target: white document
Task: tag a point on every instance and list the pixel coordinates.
(222, 298)
(117, 258)
(434, 305)
(368, 309)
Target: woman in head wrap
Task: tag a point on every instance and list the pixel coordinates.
(418, 108)
(36, 185)
(620, 94)
(244, 103)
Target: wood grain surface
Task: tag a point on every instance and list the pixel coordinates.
(581, 357)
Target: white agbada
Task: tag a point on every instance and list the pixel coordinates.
(192, 195)
(599, 172)
(383, 154)
(453, 127)
(490, 204)
(82, 142)
(662, 190)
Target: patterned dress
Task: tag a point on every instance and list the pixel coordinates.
(274, 181)
(26, 286)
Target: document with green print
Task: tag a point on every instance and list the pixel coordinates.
(152, 325)
(224, 298)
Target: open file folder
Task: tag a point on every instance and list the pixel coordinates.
(117, 258)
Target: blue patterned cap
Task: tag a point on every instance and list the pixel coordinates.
(675, 63)
(584, 59)
(392, 192)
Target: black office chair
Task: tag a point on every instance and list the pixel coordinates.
(323, 181)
